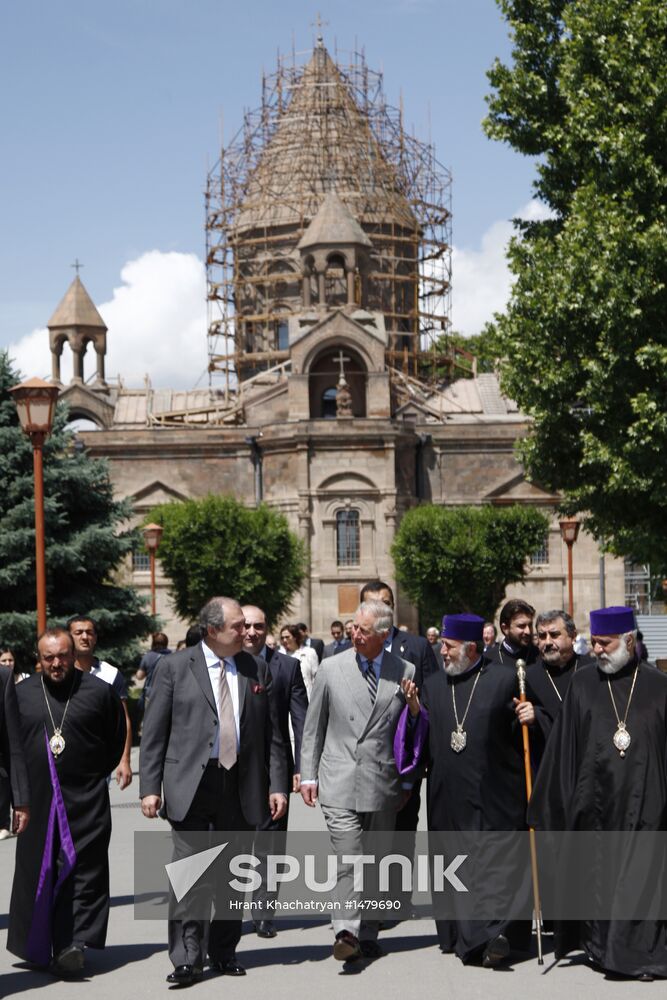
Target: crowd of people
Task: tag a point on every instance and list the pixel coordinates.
(234, 723)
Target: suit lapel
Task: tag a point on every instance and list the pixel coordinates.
(356, 683)
(200, 673)
(390, 677)
(242, 667)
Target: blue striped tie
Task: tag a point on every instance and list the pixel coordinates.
(371, 680)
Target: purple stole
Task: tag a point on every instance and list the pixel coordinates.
(39, 936)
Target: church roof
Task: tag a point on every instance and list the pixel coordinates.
(76, 309)
(322, 140)
(333, 225)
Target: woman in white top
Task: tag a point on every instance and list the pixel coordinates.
(290, 637)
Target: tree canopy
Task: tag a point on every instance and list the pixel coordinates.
(216, 546)
(584, 338)
(86, 539)
(461, 559)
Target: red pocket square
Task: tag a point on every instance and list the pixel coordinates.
(258, 689)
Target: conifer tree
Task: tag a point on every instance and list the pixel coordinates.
(86, 540)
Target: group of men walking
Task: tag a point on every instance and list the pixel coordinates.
(217, 754)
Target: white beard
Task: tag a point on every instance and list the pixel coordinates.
(611, 663)
(460, 666)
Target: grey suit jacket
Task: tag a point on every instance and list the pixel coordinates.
(348, 743)
(180, 728)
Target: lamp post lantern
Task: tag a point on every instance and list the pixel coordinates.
(35, 402)
(569, 530)
(152, 536)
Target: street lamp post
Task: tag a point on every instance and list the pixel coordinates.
(569, 530)
(152, 536)
(35, 402)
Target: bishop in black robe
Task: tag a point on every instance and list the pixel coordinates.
(584, 783)
(68, 834)
(482, 787)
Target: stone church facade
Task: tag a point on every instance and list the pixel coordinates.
(328, 416)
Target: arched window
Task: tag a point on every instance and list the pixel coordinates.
(329, 404)
(282, 335)
(336, 282)
(347, 538)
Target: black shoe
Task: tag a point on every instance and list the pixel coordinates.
(265, 929)
(228, 967)
(346, 947)
(184, 975)
(645, 977)
(371, 949)
(496, 952)
(68, 962)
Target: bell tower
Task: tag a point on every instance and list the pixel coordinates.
(77, 322)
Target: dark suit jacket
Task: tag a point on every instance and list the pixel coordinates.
(290, 696)
(318, 646)
(331, 650)
(180, 728)
(416, 649)
(12, 760)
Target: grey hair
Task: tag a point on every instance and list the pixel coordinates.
(381, 612)
(545, 617)
(213, 613)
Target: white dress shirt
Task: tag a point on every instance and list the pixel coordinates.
(213, 666)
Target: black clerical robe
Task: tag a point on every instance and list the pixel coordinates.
(546, 687)
(584, 784)
(94, 734)
(482, 788)
(506, 653)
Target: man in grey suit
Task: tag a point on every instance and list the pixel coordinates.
(347, 758)
(213, 757)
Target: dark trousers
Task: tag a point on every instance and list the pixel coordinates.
(217, 807)
(278, 841)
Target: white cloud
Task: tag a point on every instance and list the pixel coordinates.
(156, 321)
(481, 279)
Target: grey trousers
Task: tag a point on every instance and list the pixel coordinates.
(345, 828)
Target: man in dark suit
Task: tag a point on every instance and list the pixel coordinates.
(408, 646)
(291, 700)
(213, 758)
(340, 642)
(307, 640)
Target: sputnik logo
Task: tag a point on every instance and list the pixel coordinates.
(184, 873)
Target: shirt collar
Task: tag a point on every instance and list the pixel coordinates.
(213, 660)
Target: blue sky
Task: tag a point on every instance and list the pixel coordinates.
(112, 111)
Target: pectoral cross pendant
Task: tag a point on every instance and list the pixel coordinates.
(458, 739)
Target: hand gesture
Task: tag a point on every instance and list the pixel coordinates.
(411, 693)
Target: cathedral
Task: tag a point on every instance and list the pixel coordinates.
(333, 395)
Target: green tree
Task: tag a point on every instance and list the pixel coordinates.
(217, 546)
(584, 338)
(85, 539)
(461, 559)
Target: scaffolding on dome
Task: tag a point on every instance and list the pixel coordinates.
(322, 126)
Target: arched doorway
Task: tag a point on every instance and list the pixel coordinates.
(323, 381)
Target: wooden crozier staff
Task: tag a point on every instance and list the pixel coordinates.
(521, 676)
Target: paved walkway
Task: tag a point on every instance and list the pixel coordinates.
(297, 963)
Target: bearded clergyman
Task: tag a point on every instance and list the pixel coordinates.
(475, 767)
(73, 731)
(605, 769)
